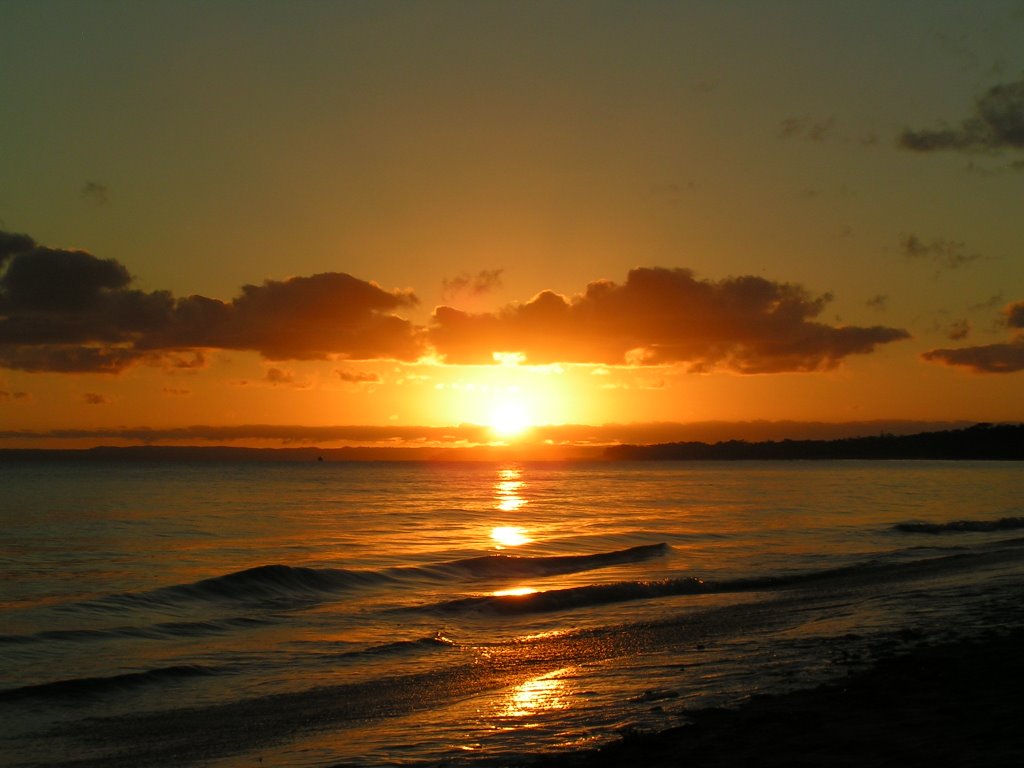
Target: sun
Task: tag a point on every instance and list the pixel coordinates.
(509, 419)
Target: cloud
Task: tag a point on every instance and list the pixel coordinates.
(951, 254)
(94, 192)
(59, 358)
(997, 122)
(805, 127)
(12, 243)
(1015, 315)
(663, 316)
(280, 377)
(959, 330)
(300, 318)
(879, 302)
(92, 398)
(989, 358)
(69, 311)
(357, 377)
(276, 376)
(990, 303)
(484, 281)
(5, 395)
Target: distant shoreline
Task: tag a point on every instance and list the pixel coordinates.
(981, 442)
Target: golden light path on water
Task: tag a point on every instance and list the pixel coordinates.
(508, 499)
(510, 536)
(507, 490)
(538, 694)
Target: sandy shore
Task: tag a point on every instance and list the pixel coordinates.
(951, 705)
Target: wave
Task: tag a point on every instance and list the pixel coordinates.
(513, 566)
(285, 584)
(81, 688)
(429, 642)
(867, 572)
(574, 597)
(170, 629)
(961, 526)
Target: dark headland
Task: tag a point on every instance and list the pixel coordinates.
(980, 442)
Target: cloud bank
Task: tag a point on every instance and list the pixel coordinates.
(69, 311)
(662, 316)
(996, 123)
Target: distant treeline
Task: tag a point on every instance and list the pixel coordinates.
(982, 441)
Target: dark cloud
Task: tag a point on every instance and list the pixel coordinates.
(300, 318)
(1015, 315)
(951, 254)
(57, 358)
(176, 391)
(183, 361)
(990, 303)
(281, 377)
(484, 281)
(879, 302)
(276, 376)
(92, 398)
(744, 324)
(47, 280)
(94, 192)
(357, 377)
(996, 123)
(991, 358)
(805, 127)
(12, 243)
(958, 330)
(67, 310)
(5, 395)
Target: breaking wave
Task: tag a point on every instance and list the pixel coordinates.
(82, 688)
(961, 526)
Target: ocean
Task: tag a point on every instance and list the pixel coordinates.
(378, 614)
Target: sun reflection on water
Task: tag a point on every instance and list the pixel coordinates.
(510, 536)
(538, 694)
(508, 498)
(507, 490)
(514, 592)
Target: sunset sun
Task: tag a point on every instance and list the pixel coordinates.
(509, 419)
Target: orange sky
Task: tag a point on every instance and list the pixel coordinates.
(390, 222)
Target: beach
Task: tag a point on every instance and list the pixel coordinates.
(955, 704)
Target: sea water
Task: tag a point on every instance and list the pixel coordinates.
(236, 614)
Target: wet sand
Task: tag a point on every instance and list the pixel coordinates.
(959, 704)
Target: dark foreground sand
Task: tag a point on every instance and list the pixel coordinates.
(960, 704)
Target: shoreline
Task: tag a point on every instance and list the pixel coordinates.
(951, 704)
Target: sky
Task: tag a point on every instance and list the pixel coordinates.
(452, 223)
